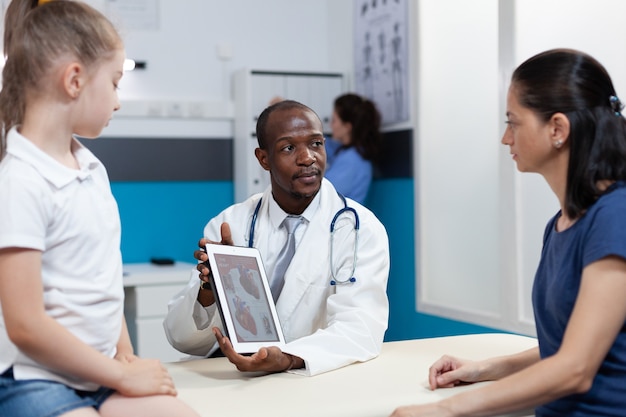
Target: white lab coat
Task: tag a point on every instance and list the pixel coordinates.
(329, 326)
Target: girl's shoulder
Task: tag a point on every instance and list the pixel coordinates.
(15, 172)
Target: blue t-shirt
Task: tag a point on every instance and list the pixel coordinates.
(600, 232)
(349, 172)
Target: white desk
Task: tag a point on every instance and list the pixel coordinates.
(399, 376)
(147, 289)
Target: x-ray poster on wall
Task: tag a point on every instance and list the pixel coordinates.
(381, 56)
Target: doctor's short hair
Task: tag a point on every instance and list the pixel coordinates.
(261, 124)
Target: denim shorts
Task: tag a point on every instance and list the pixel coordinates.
(41, 398)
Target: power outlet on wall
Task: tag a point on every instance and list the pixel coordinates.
(225, 51)
(174, 109)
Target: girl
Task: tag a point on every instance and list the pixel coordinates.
(64, 346)
(565, 123)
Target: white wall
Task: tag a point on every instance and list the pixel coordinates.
(183, 66)
(480, 223)
(457, 180)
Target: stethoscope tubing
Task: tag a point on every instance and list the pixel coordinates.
(357, 225)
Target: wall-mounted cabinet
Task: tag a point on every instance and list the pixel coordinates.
(252, 91)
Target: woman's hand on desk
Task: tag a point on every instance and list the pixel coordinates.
(446, 372)
(425, 410)
(449, 371)
(267, 359)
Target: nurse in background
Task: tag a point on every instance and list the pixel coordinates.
(352, 151)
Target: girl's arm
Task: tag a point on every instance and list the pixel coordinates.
(46, 341)
(124, 346)
(598, 316)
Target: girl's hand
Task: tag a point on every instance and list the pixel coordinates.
(126, 357)
(143, 377)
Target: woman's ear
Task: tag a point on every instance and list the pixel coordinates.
(73, 79)
(559, 129)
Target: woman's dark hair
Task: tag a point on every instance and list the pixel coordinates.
(575, 84)
(365, 120)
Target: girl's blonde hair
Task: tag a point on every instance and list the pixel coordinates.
(35, 36)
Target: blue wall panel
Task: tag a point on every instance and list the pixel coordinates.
(166, 219)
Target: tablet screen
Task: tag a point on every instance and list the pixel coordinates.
(244, 298)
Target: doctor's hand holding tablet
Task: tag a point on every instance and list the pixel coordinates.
(205, 294)
(234, 278)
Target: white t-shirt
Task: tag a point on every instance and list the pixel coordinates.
(70, 216)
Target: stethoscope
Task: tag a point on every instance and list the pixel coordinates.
(345, 209)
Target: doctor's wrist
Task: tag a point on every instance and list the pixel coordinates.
(205, 294)
(295, 362)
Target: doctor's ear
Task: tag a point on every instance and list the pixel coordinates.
(262, 157)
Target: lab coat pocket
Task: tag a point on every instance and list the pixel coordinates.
(302, 307)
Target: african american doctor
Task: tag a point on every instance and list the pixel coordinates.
(329, 321)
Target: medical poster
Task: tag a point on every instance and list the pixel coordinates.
(135, 14)
(381, 56)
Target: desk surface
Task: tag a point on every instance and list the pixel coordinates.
(399, 376)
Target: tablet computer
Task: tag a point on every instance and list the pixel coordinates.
(243, 297)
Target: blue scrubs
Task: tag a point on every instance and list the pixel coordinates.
(348, 171)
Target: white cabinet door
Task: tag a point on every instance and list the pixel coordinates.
(148, 289)
(152, 343)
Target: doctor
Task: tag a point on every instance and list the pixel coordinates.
(326, 326)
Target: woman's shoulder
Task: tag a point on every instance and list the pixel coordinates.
(352, 159)
(608, 211)
(614, 199)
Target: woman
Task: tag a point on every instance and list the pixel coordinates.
(354, 148)
(565, 123)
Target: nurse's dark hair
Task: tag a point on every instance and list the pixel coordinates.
(365, 119)
(575, 84)
(261, 124)
(35, 37)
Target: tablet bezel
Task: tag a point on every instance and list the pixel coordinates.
(264, 305)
